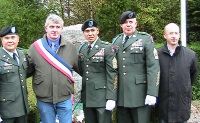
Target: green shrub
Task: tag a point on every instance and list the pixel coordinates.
(196, 90)
(34, 114)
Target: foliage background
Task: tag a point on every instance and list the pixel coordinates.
(152, 15)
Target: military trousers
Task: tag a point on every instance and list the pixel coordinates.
(22, 119)
(134, 115)
(97, 115)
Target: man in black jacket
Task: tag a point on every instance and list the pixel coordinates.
(178, 67)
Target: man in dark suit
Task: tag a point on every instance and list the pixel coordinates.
(13, 68)
(98, 66)
(138, 72)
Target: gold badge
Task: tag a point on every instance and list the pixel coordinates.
(155, 53)
(158, 79)
(75, 89)
(115, 82)
(114, 62)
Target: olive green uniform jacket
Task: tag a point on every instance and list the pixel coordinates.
(13, 88)
(99, 75)
(138, 69)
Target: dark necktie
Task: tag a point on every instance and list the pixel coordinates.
(15, 57)
(89, 48)
(126, 39)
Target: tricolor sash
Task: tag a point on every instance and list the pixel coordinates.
(52, 58)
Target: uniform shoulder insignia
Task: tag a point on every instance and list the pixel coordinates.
(144, 33)
(21, 50)
(104, 42)
(116, 37)
(82, 44)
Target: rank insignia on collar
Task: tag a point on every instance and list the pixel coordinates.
(96, 46)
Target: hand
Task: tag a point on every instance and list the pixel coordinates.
(110, 105)
(150, 100)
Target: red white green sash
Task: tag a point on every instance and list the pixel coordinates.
(52, 58)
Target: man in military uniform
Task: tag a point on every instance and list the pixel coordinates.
(98, 66)
(138, 72)
(13, 68)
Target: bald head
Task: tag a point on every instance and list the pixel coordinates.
(170, 27)
(171, 34)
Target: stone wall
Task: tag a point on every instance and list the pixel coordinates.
(75, 35)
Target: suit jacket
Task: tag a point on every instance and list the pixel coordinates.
(138, 69)
(13, 88)
(99, 74)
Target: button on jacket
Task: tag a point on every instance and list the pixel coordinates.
(138, 69)
(99, 69)
(13, 88)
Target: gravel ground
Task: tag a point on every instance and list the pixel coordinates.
(195, 112)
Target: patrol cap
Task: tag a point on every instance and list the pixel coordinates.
(88, 23)
(8, 31)
(127, 15)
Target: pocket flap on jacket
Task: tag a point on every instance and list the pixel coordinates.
(38, 80)
(140, 79)
(99, 85)
(7, 96)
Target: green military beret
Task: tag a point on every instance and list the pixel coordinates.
(127, 15)
(9, 30)
(88, 23)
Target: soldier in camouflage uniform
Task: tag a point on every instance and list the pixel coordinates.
(98, 66)
(138, 72)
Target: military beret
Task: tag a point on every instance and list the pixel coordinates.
(88, 23)
(8, 31)
(127, 15)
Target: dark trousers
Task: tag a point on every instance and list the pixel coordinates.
(97, 115)
(22, 119)
(134, 115)
(163, 121)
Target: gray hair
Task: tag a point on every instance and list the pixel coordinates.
(54, 18)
